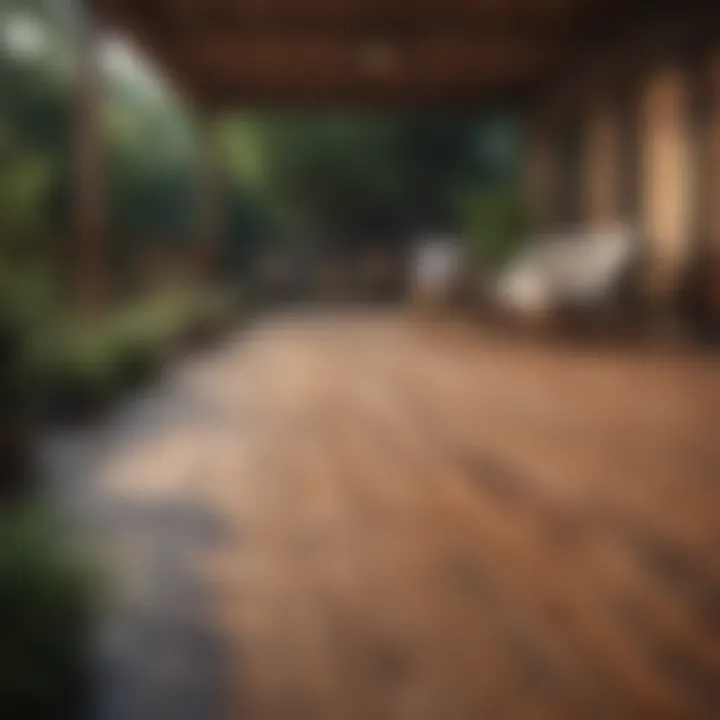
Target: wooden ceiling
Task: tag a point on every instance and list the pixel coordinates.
(360, 52)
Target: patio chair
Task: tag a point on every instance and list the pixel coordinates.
(573, 280)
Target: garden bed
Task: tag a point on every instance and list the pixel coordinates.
(83, 366)
(67, 369)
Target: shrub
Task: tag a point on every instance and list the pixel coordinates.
(46, 610)
(16, 396)
(12, 372)
(81, 364)
(495, 226)
(75, 366)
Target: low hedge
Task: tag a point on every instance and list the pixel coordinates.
(17, 385)
(80, 365)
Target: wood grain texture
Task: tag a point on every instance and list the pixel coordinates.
(367, 516)
(310, 52)
(437, 523)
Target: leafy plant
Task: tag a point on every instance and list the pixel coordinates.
(46, 609)
(494, 224)
(79, 364)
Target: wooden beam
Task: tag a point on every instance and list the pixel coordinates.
(172, 15)
(298, 66)
(539, 175)
(611, 50)
(433, 56)
(213, 46)
(713, 154)
(349, 99)
(208, 198)
(89, 196)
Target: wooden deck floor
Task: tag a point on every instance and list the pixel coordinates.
(427, 522)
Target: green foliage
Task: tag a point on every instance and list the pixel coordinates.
(24, 183)
(495, 225)
(151, 165)
(76, 364)
(150, 153)
(357, 177)
(24, 307)
(323, 184)
(46, 609)
(13, 382)
(81, 363)
(320, 181)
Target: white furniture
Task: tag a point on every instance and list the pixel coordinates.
(567, 270)
(435, 268)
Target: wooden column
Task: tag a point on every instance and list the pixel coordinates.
(712, 194)
(710, 204)
(208, 208)
(668, 182)
(700, 296)
(89, 197)
(570, 161)
(539, 177)
(601, 186)
(628, 139)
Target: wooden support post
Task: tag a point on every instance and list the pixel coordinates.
(712, 188)
(711, 158)
(668, 185)
(629, 165)
(539, 177)
(209, 188)
(89, 200)
(702, 287)
(601, 160)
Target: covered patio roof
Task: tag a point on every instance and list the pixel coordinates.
(363, 52)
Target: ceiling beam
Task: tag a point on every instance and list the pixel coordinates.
(267, 48)
(298, 59)
(345, 12)
(464, 97)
